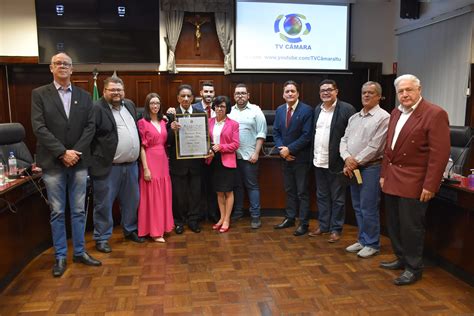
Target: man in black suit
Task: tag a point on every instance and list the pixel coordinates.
(209, 209)
(330, 122)
(115, 149)
(292, 135)
(63, 122)
(185, 173)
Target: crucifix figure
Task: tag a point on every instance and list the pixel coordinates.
(197, 21)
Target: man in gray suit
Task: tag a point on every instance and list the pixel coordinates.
(62, 120)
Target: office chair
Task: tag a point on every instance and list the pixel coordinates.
(11, 140)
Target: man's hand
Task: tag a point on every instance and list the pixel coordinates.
(284, 151)
(426, 195)
(290, 158)
(253, 158)
(351, 163)
(171, 111)
(71, 157)
(348, 172)
(381, 181)
(175, 126)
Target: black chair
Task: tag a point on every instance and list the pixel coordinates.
(11, 140)
(269, 142)
(460, 149)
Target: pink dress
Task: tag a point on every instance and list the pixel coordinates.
(155, 214)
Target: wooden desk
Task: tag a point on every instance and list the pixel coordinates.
(449, 230)
(24, 226)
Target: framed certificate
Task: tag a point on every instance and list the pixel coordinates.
(192, 139)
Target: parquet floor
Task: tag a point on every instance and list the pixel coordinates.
(242, 272)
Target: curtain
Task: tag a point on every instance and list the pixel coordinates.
(224, 33)
(440, 56)
(197, 5)
(173, 25)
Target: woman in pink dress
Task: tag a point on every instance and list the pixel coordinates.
(155, 215)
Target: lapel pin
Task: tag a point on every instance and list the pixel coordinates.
(75, 102)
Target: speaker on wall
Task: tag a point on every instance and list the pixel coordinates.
(409, 9)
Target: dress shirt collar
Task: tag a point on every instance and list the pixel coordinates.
(190, 109)
(293, 108)
(371, 112)
(413, 108)
(58, 86)
(333, 106)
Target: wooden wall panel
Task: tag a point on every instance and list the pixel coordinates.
(142, 88)
(4, 111)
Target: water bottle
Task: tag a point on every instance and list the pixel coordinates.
(12, 168)
(470, 180)
(2, 174)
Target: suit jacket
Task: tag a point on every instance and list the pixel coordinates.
(297, 136)
(229, 141)
(420, 154)
(182, 166)
(198, 105)
(105, 141)
(55, 132)
(340, 118)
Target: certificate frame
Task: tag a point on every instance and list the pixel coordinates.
(192, 139)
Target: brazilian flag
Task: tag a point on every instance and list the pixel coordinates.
(95, 94)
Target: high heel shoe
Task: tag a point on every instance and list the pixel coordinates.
(216, 226)
(224, 229)
(159, 239)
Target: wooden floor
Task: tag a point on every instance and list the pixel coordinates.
(242, 272)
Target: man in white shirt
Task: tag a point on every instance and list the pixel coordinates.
(330, 121)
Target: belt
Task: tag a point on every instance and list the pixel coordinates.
(123, 163)
(372, 163)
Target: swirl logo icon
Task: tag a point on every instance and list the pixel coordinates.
(291, 27)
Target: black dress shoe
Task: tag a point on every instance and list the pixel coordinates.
(287, 222)
(194, 227)
(86, 259)
(407, 277)
(301, 230)
(179, 229)
(134, 237)
(103, 247)
(392, 265)
(59, 267)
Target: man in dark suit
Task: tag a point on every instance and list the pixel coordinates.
(416, 154)
(208, 205)
(330, 122)
(292, 135)
(185, 173)
(63, 122)
(115, 149)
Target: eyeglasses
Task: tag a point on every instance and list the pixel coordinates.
(240, 93)
(220, 106)
(114, 90)
(329, 90)
(65, 64)
(155, 102)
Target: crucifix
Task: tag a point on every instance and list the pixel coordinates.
(197, 21)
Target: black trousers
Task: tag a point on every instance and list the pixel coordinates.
(186, 197)
(295, 180)
(406, 229)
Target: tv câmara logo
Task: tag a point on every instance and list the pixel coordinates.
(291, 27)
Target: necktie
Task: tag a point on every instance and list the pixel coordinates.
(186, 112)
(288, 116)
(208, 110)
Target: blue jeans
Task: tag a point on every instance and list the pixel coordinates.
(73, 182)
(295, 179)
(366, 201)
(331, 196)
(247, 175)
(121, 183)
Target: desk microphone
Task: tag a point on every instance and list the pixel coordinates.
(448, 179)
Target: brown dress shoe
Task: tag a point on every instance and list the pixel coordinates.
(317, 232)
(334, 237)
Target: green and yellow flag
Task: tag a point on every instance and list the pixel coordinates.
(95, 93)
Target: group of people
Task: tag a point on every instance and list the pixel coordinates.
(135, 162)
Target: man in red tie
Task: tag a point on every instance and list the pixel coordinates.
(292, 135)
(207, 96)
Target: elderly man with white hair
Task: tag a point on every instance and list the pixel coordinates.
(415, 157)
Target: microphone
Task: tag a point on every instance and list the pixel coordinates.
(448, 179)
